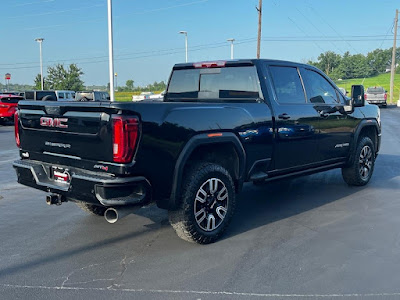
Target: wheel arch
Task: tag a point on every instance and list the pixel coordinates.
(210, 147)
(368, 128)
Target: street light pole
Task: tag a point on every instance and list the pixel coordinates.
(110, 51)
(186, 43)
(40, 41)
(259, 9)
(231, 40)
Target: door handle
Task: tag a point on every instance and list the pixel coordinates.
(284, 116)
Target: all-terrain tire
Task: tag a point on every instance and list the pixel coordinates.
(204, 222)
(95, 210)
(360, 171)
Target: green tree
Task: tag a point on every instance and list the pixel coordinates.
(59, 78)
(129, 84)
(379, 60)
(328, 61)
(38, 83)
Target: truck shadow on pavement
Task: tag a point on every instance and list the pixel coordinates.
(261, 205)
(257, 206)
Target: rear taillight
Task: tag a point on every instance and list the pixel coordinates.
(365, 96)
(385, 96)
(16, 129)
(125, 134)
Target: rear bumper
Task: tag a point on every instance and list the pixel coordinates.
(85, 186)
(7, 113)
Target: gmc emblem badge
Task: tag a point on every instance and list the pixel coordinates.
(53, 122)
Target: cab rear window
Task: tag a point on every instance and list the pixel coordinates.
(375, 90)
(230, 83)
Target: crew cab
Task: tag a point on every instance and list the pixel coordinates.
(220, 124)
(8, 106)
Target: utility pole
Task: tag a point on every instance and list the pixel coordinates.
(392, 69)
(259, 9)
(110, 50)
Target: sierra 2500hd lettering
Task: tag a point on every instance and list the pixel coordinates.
(219, 125)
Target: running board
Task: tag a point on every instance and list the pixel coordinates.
(259, 176)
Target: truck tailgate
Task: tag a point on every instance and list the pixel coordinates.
(81, 131)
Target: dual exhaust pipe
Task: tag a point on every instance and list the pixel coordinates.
(112, 215)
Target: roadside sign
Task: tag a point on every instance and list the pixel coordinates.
(8, 76)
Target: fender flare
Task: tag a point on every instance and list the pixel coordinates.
(191, 145)
(361, 125)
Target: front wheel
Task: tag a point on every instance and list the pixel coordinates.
(360, 171)
(207, 204)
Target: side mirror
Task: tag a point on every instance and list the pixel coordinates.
(357, 95)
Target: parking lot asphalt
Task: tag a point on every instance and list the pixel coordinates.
(311, 237)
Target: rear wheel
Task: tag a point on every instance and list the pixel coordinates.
(360, 171)
(95, 210)
(207, 204)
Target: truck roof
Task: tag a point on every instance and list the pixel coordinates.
(231, 63)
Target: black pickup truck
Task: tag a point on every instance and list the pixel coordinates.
(220, 124)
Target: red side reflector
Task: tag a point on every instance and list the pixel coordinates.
(214, 134)
(16, 129)
(125, 134)
(210, 64)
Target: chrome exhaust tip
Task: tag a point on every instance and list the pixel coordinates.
(112, 215)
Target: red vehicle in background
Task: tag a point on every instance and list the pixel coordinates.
(8, 105)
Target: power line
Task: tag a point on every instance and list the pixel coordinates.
(164, 52)
(309, 21)
(96, 20)
(304, 33)
(365, 38)
(54, 12)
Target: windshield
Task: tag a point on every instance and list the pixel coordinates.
(11, 99)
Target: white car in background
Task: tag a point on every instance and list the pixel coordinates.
(148, 96)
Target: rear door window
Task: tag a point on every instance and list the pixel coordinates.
(288, 86)
(29, 95)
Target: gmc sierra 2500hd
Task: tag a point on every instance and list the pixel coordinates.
(220, 124)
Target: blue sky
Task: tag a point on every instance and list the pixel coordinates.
(147, 43)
